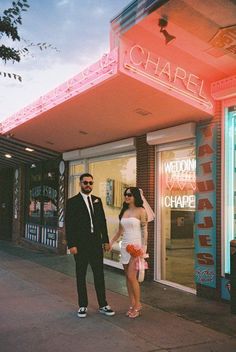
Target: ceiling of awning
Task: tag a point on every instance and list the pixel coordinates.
(118, 108)
(14, 153)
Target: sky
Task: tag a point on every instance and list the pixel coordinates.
(78, 29)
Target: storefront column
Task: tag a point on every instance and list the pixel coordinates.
(18, 204)
(63, 187)
(146, 181)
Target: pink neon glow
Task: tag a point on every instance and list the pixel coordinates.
(224, 88)
(91, 76)
(164, 75)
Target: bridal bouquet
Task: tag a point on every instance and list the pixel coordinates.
(134, 250)
(140, 255)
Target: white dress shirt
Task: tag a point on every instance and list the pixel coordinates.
(85, 197)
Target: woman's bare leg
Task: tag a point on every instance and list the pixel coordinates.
(133, 284)
(129, 286)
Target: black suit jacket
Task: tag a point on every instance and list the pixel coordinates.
(77, 222)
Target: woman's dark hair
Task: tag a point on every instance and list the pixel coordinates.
(138, 202)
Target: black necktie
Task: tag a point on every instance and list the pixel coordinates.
(91, 210)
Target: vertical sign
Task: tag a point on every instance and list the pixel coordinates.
(205, 221)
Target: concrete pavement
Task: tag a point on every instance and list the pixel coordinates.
(38, 312)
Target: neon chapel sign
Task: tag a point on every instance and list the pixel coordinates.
(180, 174)
(166, 74)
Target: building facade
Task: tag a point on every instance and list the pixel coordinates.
(162, 118)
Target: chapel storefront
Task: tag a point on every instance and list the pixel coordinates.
(162, 118)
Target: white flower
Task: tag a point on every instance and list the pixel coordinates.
(96, 201)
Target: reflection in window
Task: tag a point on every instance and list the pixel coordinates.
(111, 177)
(34, 209)
(43, 193)
(75, 170)
(50, 193)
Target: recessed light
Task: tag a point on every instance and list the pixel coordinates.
(8, 156)
(29, 149)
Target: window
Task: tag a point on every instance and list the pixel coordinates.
(111, 177)
(230, 183)
(42, 208)
(75, 170)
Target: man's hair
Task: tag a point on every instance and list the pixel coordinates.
(86, 174)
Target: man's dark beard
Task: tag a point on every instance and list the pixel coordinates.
(86, 191)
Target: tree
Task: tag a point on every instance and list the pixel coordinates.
(9, 24)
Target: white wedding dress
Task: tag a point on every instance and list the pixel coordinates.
(131, 235)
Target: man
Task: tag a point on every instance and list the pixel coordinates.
(86, 233)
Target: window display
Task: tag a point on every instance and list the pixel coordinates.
(43, 194)
(111, 176)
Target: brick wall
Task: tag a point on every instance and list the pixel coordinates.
(146, 181)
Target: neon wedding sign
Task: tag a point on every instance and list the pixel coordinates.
(167, 76)
(180, 175)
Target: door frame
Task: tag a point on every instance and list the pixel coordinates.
(159, 243)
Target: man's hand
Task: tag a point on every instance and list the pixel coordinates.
(73, 250)
(106, 247)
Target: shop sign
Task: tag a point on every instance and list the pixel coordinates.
(46, 191)
(179, 175)
(166, 76)
(185, 201)
(205, 217)
(51, 234)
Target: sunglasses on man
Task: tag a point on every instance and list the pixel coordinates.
(87, 183)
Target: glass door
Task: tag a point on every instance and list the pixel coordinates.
(176, 195)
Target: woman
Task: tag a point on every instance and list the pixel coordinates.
(133, 227)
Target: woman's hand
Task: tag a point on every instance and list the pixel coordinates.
(110, 246)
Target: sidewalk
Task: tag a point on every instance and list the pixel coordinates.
(38, 305)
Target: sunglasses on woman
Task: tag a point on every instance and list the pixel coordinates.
(128, 194)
